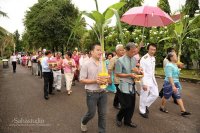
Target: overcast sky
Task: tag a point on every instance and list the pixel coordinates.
(16, 9)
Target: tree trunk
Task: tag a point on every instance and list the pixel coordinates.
(1, 52)
(188, 61)
(63, 49)
(179, 52)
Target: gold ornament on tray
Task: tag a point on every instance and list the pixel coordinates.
(139, 73)
(52, 63)
(70, 62)
(103, 74)
(104, 77)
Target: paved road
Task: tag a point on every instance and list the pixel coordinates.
(21, 101)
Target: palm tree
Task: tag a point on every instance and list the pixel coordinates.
(3, 14)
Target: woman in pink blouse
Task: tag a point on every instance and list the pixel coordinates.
(69, 67)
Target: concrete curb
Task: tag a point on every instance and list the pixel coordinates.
(196, 81)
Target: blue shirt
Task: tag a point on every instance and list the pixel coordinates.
(171, 70)
(45, 65)
(124, 65)
(107, 63)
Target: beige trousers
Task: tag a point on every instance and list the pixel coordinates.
(69, 77)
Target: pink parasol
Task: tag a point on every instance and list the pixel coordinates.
(146, 16)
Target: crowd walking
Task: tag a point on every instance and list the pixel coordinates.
(123, 70)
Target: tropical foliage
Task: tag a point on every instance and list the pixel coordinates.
(164, 5)
(102, 20)
(191, 7)
(6, 43)
(181, 32)
(58, 25)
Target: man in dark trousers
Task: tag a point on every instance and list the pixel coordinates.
(13, 59)
(96, 96)
(47, 75)
(123, 69)
(111, 68)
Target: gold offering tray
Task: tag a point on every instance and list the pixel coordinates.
(138, 78)
(52, 64)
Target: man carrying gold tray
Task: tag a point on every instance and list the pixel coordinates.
(139, 74)
(123, 70)
(91, 76)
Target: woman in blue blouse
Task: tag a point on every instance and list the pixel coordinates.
(111, 87)
(172, 84)
(108, 57)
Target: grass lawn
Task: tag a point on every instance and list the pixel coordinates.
(191, 74)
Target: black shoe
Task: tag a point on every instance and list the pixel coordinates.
(58, 90)
(118, 123)
(147, 111)
(52, 93)
(145, 115)
(46, 97)
(185, 113)
(117, 107)
(163, 110)
(175, 102)
(133, 125)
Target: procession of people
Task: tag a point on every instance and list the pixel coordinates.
(115, 66)
(123, 70)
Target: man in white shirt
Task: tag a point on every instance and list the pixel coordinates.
(149, 91)
(84, 58)
(47, 75)
(13, 59)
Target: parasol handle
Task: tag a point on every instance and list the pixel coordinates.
(143, 28)
(143, 34)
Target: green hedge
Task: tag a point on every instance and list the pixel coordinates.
(191, 74)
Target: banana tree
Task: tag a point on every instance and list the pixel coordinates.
(119, 25)
(182, 29)
(101, 22)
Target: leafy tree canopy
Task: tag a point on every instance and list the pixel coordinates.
(164, 5)
(49, 24)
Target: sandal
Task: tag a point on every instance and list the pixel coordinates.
(163, 110)
(184, 113)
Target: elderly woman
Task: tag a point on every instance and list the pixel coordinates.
(69, 66)
(172, 84)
